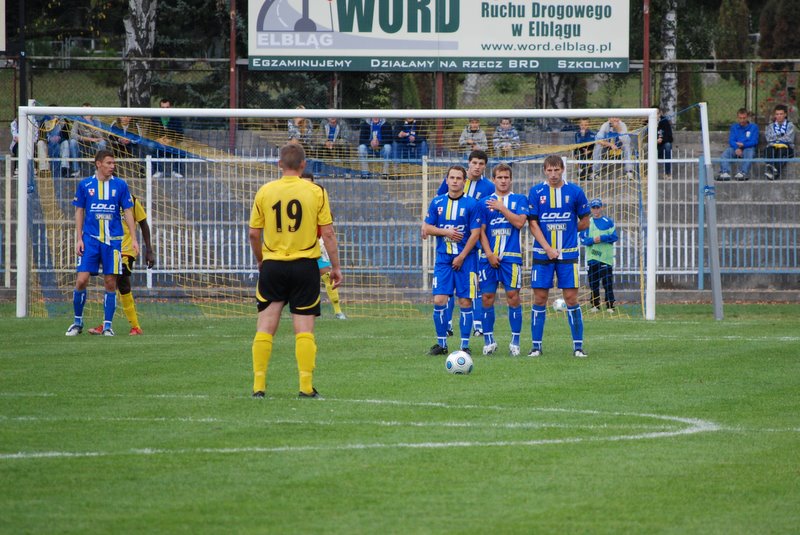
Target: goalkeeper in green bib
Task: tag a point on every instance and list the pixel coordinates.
(599, 240)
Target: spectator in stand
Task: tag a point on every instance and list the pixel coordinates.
(506, 139)
(612, 136)
(473, 138)
(780, 142)
(86, 137)
(333, 144)
(664, 142)
(410, 140)
(300, 130)
(375, 140)
(14, 146)
(584, 136)
(742, 143)
(168, 132)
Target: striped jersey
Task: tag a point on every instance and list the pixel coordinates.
(505, 238)
(103, 202)
(462, 213)
(477, 189)
(557, 211)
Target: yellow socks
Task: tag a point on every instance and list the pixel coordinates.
(333, 293)
(262, 351)
(129, 307)
(305, 351)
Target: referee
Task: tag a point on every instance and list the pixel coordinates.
(283, 236)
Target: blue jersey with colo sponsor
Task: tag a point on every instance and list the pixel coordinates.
(103, 202)
(463, 214)
(504, 238)
(557, 211)
(477, 189)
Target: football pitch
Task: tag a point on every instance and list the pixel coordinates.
(681, 425)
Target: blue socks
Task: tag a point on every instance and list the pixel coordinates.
(538, 317)
(78, 302)
(575, 318)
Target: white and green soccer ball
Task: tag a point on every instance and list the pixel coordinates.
(559, 305)
(458, 363)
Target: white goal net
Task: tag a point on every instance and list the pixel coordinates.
(196, 172)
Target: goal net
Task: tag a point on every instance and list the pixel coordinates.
(196, 172)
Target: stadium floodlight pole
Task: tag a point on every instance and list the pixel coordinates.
(711, 221)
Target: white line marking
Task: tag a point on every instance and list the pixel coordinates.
(688, 426)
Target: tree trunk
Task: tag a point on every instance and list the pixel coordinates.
(559, 90)
(668, 91)
(140, 38)
(469, 91)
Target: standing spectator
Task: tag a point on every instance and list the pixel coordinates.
(454, 218)
(473, 137)
(558, 211)
(284, 223)
(599, 240)
(167, 132)
(584, 137)
(99, 201)
(375, 139)
(664, 143)
(14, 146)
(780, 142)
(86, 137)
(612, 136)
(742, 143)
(506, 139)
(410, 140)
(500, 258)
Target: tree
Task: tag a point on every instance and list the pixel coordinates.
(732, 37)
(140, 37)
(778, 28)
(668, 89)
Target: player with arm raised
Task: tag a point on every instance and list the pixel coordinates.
(558, 211)
(500, 258)
(283, 236)
(101, 202)
(128, 260)
(454, 218)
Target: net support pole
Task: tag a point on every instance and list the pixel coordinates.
(711, 217)
(24, 148)
(652, 214)
(425, 246)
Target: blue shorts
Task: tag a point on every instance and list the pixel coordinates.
(463, 282)
(542, 275)
(97, 253)
(508, 274)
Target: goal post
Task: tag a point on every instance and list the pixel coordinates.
(198, 186)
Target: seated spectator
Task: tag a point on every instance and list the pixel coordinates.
(584, 135)
(85, 139)
(333, 142)
(167, 132)
(506, 139)
(54, 145)
(410, 140)
(612, 137)
(125, 137)
(300, 130)
(780, 142)
(473, 138)
(742, 143)
(375, 140)
(14, 146)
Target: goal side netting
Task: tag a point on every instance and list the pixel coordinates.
(196, 172)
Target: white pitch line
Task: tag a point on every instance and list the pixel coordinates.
(694, 426)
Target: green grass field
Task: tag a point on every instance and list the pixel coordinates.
(682, 425)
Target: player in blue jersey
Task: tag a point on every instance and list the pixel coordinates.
(558, 211)
(500, 259)
(454, 218)
(98, 236)
(477, 187)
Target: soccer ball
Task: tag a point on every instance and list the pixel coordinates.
(559, 305)
(458, 363)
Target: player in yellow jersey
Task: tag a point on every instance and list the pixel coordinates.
(128, 260)
(283, 236)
